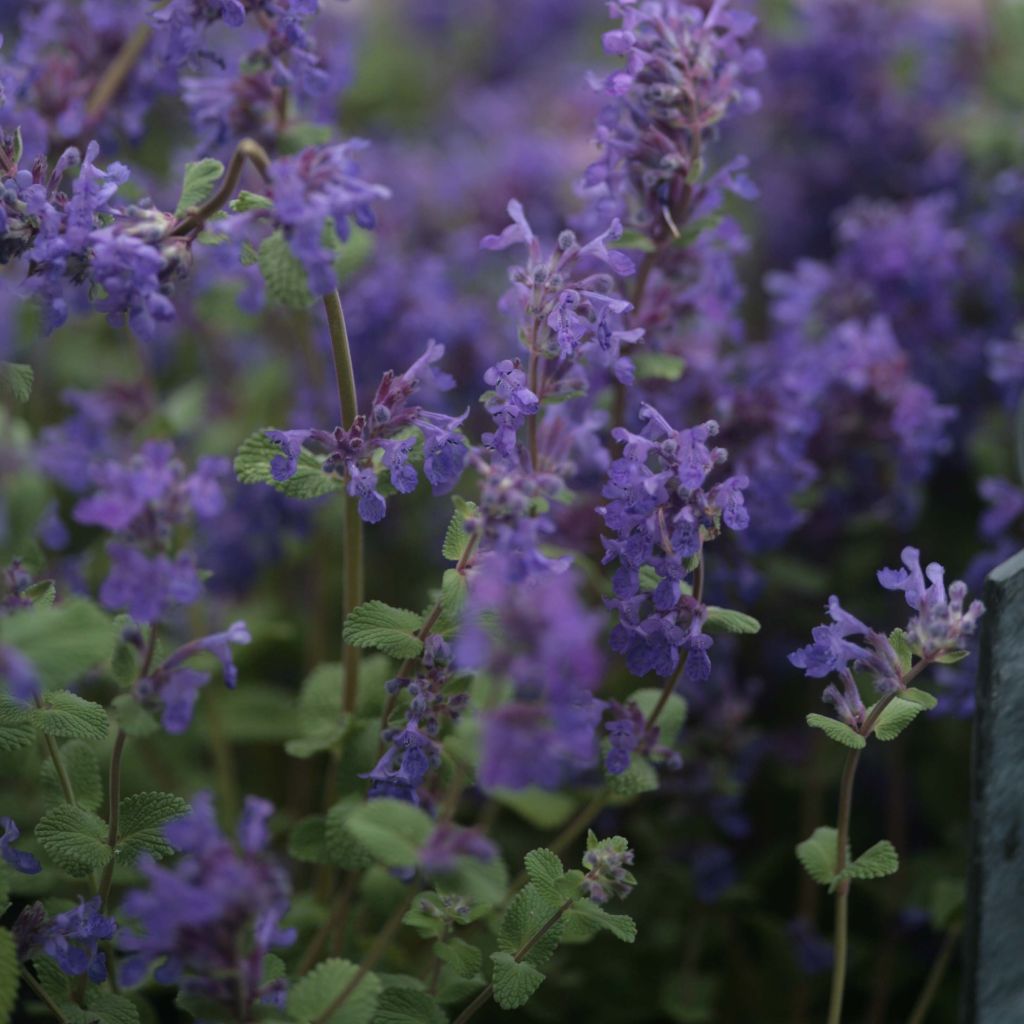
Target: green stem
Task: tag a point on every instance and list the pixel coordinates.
(58, 763)
(935, 976)
(113, 815)
(247, 149)
(335, 921)
(354, 570)
(43, 995)
(110, 82)
(373, 954)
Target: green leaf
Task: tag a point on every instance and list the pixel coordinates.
(74, 838)
(246, 201)
(527, 913)
(141, 825)
(252, 466)
(622, 926)
(16, 380)
(640, 777)
(457, 537)
(62, 642)
(407, 1006)
(15, 725)
(453, 595)
(542, 808)
(393, 831)
(838, 731)
(630, 239)
(9, 976)
(901, 645)
(108, 1008)
(284, 275)
(818, 855)
(875, 862)
(67, 715)
(922, 697)
(460, 956)
(132, 717)
(391, 630)
(514, 981)
(43, 593)
(310, 997)
(306, 841)
(83, 770)
(658, 366)
(545, 870)
(898, 714)
(198, 184)
(951, 658)
(672, 715)
(724, 620)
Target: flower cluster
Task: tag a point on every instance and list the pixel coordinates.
(940, 627)
(20, 860)
(607, 862)
(209, 921)
(141, 502)
(536, 642)
(72, 938)
(661, 517)
(686, 69)
(384, 439)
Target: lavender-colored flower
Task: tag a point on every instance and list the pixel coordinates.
(662, 517)
(449, 843)
(536, 637)
(941, 623)
(607, 863)
(208, 921)
(20, 860)
(19, 674)
(148, 588)
(385, 431)
(71, 938)
(173, 688)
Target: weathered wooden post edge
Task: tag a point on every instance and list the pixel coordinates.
(993, 990)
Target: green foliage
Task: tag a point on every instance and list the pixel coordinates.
(321, 724)
(246, 201)
(62, 641)
(285, 277)
(83, 770)
(200, 179)
(132, 717)
(311, 997)
(252, 466)
(69, 716)
(75, 839)
(898, 714)
(901, 645)
(102, 1008)
(544, 809)
(922, 697)
(343, 848)
(545, 871)
(393, 831)
(672, 715)
(724, 620)
(818, 855)
(595, 918)
(514, 981)
(951, 658)
(9, 975)
(457, 537)
(141, 825)
(465, 960)
(15, 725)
(838, 731)
(16, 380)
(407, 1006)
(307, 842)
(658, 366)
(453, 596)
(525, 915)
(640, 777)
(391, 630)
(875, 862)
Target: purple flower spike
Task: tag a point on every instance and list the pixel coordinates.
(20, 860)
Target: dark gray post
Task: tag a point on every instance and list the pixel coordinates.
(994, 936)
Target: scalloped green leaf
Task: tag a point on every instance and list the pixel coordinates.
(83, 770)
(922, 697)
(16, 380)
(877, 861)
(622, 926)
(456, 537)
(141, 823)
(69, 716)
(392, 831)
(408, 1006)
(838, 731)
(252, 466)
(15, 725)
(725, 620)
(74, 838)
(460, 956)
(285, 277)
(9, 975)
(311, 997)
(391, 630)
(817, 854)
(201, 177)
(898, 714)
(545, 870)
(514, 980)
